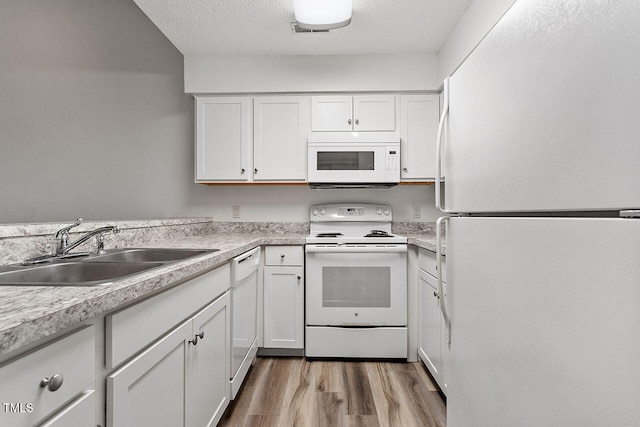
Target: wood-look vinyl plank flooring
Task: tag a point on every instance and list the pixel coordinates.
(293, 391)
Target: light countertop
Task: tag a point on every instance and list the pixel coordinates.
(31, 313)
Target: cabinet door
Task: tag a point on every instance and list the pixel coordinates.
(81, 412)
(374, 113)
(331, 113)
(207, 390)
(150, 389)
(283, 307)
(429, 345)
(418, 131)
(281, 125)
(223, 138)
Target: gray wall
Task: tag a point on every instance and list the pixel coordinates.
(94, 123)
(93, 118)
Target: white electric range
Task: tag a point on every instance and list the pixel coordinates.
(356, 283)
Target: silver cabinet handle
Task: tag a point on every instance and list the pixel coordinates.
(194, 341)
(357, 121)
(349, 121)
(53, 383)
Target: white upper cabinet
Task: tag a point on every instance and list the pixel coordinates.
(281, 125)
(223, 138)
(354, 113)
(418, 132)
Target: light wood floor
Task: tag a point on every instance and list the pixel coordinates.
(292, 391)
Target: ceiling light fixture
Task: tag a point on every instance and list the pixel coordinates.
(322, 15)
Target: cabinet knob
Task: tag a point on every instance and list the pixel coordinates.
(348, 121)
(281, 256)
(53, 383)
(299, 277)
(255, 170)
(405, 169)
(357, 121)
(242, 170)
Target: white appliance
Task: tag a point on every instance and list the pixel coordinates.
(543, 304)
(353, 159)
(244, 309)
(356, 283)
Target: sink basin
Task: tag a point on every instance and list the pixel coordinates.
(95, 270)
(77, 273)
(149, 255)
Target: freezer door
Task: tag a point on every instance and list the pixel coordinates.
(545, 322)
(544, 113)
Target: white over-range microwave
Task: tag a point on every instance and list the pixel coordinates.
(353, 159)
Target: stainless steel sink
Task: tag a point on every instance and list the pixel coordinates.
(77, 273)
(148, 255)
(95, 270)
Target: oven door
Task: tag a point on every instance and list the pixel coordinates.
(356, 285)
(350, 163)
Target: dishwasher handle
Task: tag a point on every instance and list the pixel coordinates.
(245, 265)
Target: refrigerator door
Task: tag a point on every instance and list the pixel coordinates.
(544, 114)
(545, 322)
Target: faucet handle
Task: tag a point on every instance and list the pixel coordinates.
(61, 238)
(65, 230)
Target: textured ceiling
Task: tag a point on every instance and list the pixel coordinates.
(262, 27)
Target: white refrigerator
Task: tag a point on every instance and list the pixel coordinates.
(540, 150)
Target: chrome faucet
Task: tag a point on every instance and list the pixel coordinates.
(62, 247)
(99, 232)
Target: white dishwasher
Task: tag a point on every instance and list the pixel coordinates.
(244, 308)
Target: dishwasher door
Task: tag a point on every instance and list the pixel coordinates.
(244, 308)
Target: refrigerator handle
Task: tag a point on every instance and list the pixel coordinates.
(440, 146)
(443, 300)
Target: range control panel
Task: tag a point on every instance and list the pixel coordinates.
(349, 212)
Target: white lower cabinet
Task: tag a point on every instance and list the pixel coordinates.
(284, 297)
(181, 380)
(432, 347)
(80, 412)
(50, 383)
(207, 392)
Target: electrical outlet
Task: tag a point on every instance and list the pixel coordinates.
(417, 212)
(236, 211)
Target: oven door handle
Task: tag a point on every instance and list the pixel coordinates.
(356, 248)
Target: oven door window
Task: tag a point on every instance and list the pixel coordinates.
(346, 160)
(356, 287)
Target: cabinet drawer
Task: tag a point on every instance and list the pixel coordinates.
(24, 401)
(284, 255)
(133, 328)
(427, 262)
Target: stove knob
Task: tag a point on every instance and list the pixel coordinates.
(315, 211)
(323, 211)
(379, 211)
(387, 211)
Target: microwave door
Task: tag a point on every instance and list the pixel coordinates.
(340, 163)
